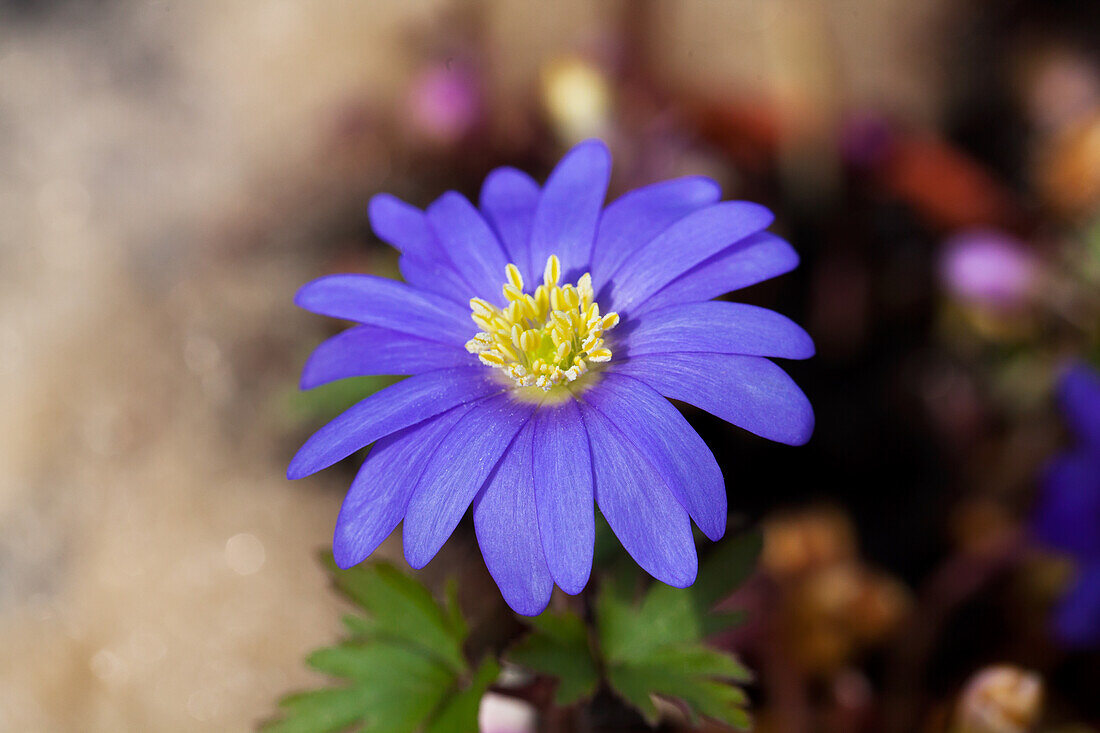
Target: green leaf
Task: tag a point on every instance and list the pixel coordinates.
(635, 689)
(357, 626)
(638, 684)
(700, 695)
(318, 711)
(558, 646)
(700, 661)
(453, 617)
(727, 567)
(374, 662)
(321, 403)
(655, 647)
(401, 669)
(716, 621)
(402, 608)
(459, 713)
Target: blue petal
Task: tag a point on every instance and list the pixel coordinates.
(690, 241)
(367, 350)
(470, 243)
(389, 410)
(718, 327)
(1080, 398)
(569, 208)
(379, 301)
(642, 511)
(1068, 512)
(676, 451)
(436, 275)
(637, 217)
(507, 528)
(563, 493)
(748, 391)
(508, 200)
(423, 263)
(459, 467)
(403, 226)
(752, 260)
(380, 492)
(1077, 619)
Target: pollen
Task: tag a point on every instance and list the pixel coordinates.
(542, 339)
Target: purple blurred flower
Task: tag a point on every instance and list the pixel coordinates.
(865, 139)
(555, 397)
(1068, 513)
(988, 268)
(445, 103)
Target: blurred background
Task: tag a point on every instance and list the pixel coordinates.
(171, 172)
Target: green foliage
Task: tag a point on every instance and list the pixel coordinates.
(652, 645)
(401, 669)
(327, 400)
(558, 646)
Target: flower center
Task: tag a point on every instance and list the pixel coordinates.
(542, 339)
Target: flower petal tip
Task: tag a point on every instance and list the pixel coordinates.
(344, 558)
(706, 189)
(682, 580)
(379, 203)
(714, 532)
(417, 557)
(802, 437)
(301, 465)
(592, 146)
(529, 607)
(572, 587)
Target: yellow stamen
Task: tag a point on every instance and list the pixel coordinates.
(552, 273)
(514, 278)
(542, 339)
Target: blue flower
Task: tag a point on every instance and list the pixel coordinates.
(543, 333)
(1068, 513)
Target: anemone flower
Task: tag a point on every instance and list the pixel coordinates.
(542, 333)
(1067, 517)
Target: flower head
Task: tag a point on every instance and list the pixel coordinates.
(989, 268)
(445, 103)
(1068, 513)
(543, 333)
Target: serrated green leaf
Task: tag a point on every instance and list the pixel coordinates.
(459, 713)
(376, 662)
(696, 660)
(655, 646)
(402, 608)
(633, 687)
(558, 646)
(670, 615)
(395, 689)
(317, 711)
(401, 668)
(637, 684)
(627, 631)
